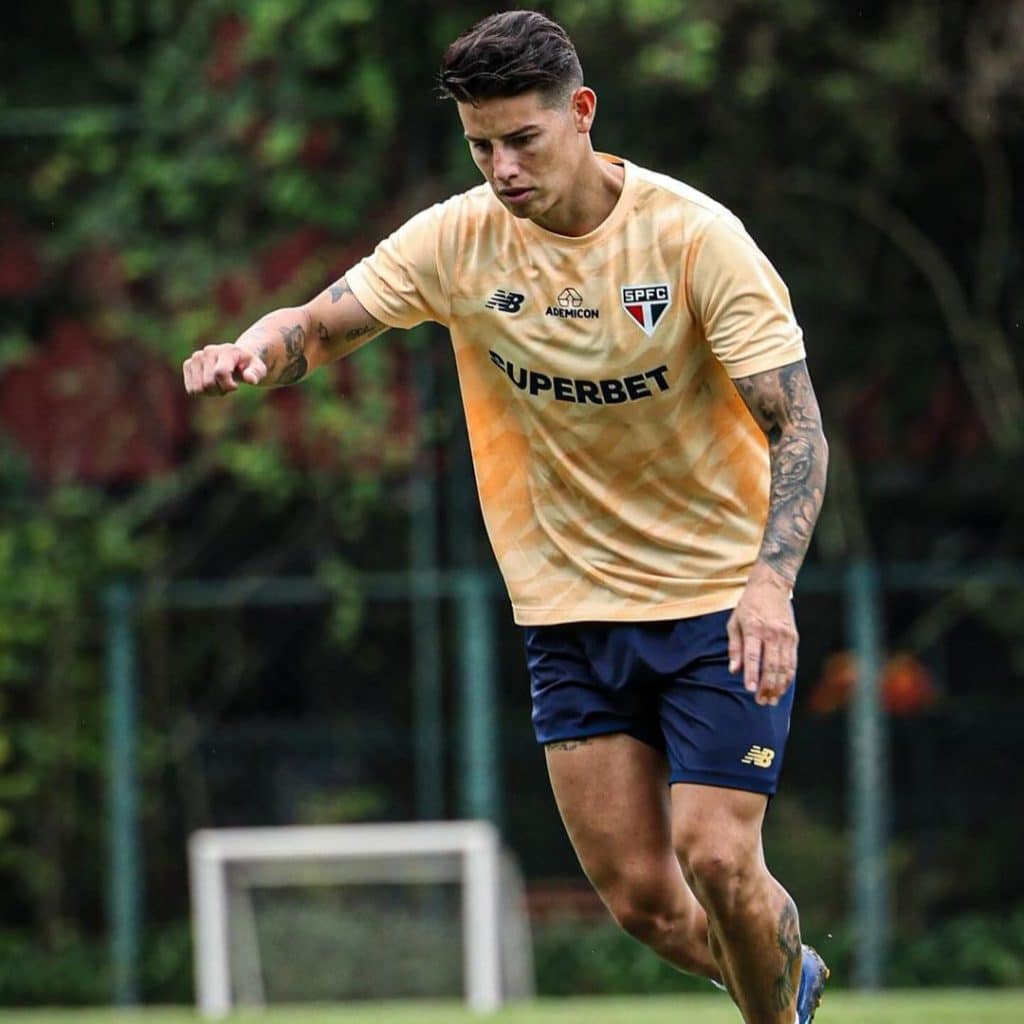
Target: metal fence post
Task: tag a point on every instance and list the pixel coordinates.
(869, 777)
(480, 789)
(428, 705)
(124, 876)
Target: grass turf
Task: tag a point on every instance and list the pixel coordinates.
(930, 1007)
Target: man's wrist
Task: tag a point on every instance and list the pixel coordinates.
(763, 573)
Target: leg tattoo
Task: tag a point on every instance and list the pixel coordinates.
(568, 744)
(789, 943)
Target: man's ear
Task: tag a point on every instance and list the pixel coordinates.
(584, 107)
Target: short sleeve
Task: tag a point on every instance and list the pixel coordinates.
(742, 302)
(400, 283)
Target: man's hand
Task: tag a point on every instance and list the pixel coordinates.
(763, 637)
(218, 370)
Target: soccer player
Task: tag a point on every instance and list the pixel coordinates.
(650, 461)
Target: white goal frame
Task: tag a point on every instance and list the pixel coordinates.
(397, 852)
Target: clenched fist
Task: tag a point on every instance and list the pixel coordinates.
(218, 369)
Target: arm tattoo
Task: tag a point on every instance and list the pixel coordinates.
(788, 941)
(783, 404)
(339, 290)
(295, 365)
(364, 332)
(366, 329)
(322, 332)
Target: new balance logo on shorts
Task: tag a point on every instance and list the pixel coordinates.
(506, 302)
(760, 757)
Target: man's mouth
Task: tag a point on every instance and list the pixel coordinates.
(516, 195)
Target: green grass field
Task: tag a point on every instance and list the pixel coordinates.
(932, 1007)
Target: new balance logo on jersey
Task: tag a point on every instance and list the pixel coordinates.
(506, 302)
(760, 757)
(646, 304)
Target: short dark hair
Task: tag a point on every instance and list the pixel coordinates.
(508, 54)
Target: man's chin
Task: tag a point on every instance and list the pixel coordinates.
(520, 210)
(525, 208)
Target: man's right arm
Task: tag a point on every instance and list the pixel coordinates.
(284, 346)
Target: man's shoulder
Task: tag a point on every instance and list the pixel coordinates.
(691, 202)
(475, 202)
(444, 222)
(445, 225)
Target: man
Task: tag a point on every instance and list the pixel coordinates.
(650, 461)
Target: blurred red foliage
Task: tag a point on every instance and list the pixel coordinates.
(21, 269)
(94, 411)
(233, 292)
(282, 261)
(906, 686)
(225, 66)
(318, 145)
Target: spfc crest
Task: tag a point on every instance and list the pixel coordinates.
(646, 304)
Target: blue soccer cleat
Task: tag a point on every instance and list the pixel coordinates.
(813, 975)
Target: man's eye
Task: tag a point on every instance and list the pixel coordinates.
(522, 140)
(481, 147)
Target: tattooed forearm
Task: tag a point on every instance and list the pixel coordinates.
(295, 365)
(783, 404)
(279, 339)
(788, 941)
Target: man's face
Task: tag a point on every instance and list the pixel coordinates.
(528, 152)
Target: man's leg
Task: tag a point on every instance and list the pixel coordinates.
(612, 793)
(753, 921)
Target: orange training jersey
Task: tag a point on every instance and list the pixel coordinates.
(620, 474)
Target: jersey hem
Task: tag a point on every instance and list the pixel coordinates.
(720, 601)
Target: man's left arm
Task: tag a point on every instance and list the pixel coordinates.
(762, 630)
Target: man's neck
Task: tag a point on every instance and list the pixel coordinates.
(591, 202)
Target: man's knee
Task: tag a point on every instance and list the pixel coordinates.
(645, 908)
(721, 876)
(645, 924)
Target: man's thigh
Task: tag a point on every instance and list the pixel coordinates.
(715, 823)
(612, 793)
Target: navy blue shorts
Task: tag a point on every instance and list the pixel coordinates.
(665, 683)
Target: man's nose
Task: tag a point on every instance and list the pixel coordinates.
(506, 166)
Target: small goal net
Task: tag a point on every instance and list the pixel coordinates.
(346, 912)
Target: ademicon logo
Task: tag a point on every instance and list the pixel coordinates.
(570, 307)
(646, 304)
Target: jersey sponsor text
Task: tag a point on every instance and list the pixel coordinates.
(573, 314)
(579, 390)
